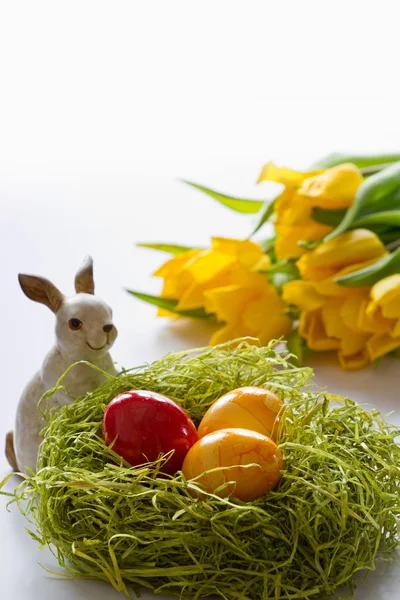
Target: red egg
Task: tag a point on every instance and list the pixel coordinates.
(144, 425)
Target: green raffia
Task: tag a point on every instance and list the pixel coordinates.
(334, 513)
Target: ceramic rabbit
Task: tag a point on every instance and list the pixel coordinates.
(84, 331)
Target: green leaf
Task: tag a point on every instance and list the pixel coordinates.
(378, 193)
(241, 205)
(296, 345)
(372, 170)
(279, 279)
(293, 312)
(268, 244)
(265, 214)
(283, 266)
(388, 265)
(171, 304)
(328, 217)
(282, 272)
(336, 158)
(174, 249)
(391, 201)
(391, 238)
(387, 217)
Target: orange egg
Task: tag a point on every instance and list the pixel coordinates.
(249, 408)
(231, 447)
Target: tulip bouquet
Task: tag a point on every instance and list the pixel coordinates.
(327, 279)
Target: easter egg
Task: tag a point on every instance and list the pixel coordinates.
(251, 408)
(144, 424)
(235, 448)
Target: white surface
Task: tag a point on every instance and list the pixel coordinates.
(102, 107)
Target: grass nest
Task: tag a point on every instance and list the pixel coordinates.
(333, 514)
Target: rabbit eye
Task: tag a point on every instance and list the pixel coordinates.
(75, 324)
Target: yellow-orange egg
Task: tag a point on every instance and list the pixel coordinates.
(251, 408)
(235, 448)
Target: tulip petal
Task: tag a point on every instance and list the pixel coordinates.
(263, 264)
(355, 361)
(329, 287)
(353, 343)
(227, 333)
(380, 344)
(334, 188)
(311, 327)
(286, 247)
(287, 243)
(246, 278)
(208, 265)
(350, 311)
(302, 294)
(175, 265)
(308, 230)
(372, 320)
(248, 252)
(162, 312)
(169, 289)
(287, 177)
(265, 317)
(193, 297)
(347, 249)
(396, 330)
(386, 293)
(228, 302)
(333, 324)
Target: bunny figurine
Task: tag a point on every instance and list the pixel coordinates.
(84, 331)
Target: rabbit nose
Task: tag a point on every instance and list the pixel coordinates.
(108, 328)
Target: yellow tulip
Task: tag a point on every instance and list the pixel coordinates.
(346, 250)
(386, 294)
(331, 188)
(303, 295)
(288, 177)
(170, 271)
(334, 188)
(225, 280)
(382, 316)
(338, 318)
(255, 311)
(311, 327)
(188, 275)
(380, 344)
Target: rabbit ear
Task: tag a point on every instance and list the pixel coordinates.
(84, 277)
(41, 290)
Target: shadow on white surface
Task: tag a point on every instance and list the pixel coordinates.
(374, 386)
(196, 335)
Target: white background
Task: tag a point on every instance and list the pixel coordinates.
(103, 107)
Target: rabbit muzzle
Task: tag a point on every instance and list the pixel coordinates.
(108, 337)
(93, 348)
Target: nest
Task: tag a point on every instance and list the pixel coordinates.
(334, 512)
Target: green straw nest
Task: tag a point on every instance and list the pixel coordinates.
(334, 513)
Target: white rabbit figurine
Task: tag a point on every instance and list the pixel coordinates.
(84, 331)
